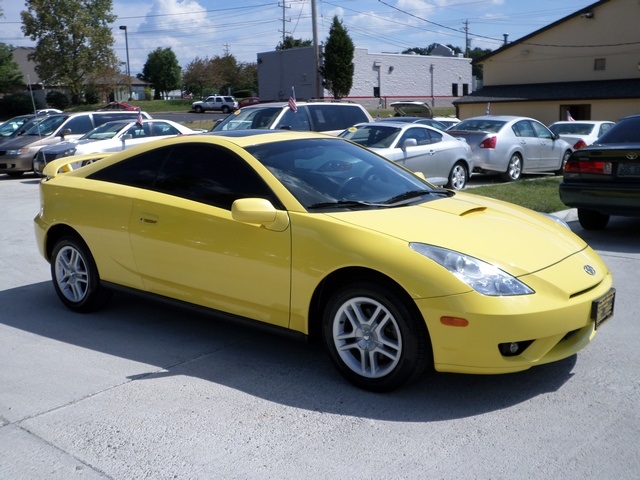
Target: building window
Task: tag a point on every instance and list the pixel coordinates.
(465, 89)
(600, 64)
(454, 89)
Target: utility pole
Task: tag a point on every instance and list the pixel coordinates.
(467, 42)
(284, 20)
(316, 50)
(226, 49)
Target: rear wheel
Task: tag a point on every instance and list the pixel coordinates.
(514, 168)
(591, 220)
(458, 177)
(75, 276)
(374, 338)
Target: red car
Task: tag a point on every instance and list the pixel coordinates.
(248, 101)
(118, 106)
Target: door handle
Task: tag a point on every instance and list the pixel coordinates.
(148, 219)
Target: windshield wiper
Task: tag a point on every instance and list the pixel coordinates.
(345, 204)
(413, 194)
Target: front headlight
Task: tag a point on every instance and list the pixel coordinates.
(20, 151)
(69, 152)
(483, 277)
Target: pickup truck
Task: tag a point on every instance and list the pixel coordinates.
(224, 104)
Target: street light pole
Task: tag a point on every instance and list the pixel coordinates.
(126, 42)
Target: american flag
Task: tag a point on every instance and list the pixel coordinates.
(292, 101)
(139, 119)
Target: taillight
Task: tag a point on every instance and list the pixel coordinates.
(584, 166)
(489, 142)
(579, 144)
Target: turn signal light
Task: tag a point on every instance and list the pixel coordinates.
(454, 321)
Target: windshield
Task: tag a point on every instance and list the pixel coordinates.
(47, 126)
(10, 126)
(250, 118)
(480, 125)
(375, 136)
(333, 174)
(573, 128)
(104, 132)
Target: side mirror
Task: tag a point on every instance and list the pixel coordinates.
(65, 132)
(409, 142)
(260, 212)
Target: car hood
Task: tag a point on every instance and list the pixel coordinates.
(20, 141)
(516, 239)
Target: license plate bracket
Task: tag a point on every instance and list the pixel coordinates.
(602, 308)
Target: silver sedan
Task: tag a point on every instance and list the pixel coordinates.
(512, 145)
(441, 158)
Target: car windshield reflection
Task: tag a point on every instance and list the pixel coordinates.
(329, 173)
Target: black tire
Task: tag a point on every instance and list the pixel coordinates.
(514, 168)
(225, 109)
(458, 177)
(75, 276)
(374, 338)
(565, 157)
(198, 109)
(592, 220)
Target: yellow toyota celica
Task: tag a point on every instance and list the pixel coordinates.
(317, 236)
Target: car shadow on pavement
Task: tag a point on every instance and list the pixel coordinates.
(278, 369)
(622, 235)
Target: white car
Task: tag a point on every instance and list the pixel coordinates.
(581, 133)
(448, 121)
(111, 137)
(441, 158)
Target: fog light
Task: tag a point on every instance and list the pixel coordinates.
(512, 349)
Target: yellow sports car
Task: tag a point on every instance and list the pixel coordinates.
(318, 236)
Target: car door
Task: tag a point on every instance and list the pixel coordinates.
(529, 142)
(187, 245)
(551, 150)
(424, 157)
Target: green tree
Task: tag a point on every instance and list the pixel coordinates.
(337, 71)
(10, 75)
(289, 42)
(73, 40)
(476, 69)
(163, 71)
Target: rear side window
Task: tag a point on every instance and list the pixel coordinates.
(79, 125)
(335, 117)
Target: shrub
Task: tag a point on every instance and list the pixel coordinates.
(57, 100)
(16, 104)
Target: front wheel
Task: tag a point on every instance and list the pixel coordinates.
(565, 157)
(458, 177)
(514, 168)
(75, 276)
(225, 109)
(374, 338)
(198, 109)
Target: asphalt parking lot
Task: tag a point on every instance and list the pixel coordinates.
(145, 391)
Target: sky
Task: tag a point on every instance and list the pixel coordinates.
(243, 28)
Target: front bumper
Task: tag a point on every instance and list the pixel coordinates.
(558, 323)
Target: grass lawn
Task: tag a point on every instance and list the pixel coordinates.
(539, 194)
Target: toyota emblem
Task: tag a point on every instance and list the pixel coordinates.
(632, 155)
(590, 270)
